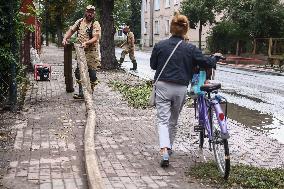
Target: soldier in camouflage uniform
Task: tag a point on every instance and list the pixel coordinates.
(89, 32)
(128, 48)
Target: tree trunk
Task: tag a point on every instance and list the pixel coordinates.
(269, 47)
(254, 47)
(108, 59)
(238, 48)
(46, 22)
(59, 25)
(200, 33)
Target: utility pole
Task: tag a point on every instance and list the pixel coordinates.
(151, 42)
(46, 22)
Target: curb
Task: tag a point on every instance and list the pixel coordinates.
(253, 70)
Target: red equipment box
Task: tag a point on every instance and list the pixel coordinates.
(42, 72)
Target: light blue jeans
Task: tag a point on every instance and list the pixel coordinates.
(170, 98)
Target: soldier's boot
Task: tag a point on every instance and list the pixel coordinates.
(93, 78)
(93, 84)
(134, 65)
(80, 94)
(121, 60)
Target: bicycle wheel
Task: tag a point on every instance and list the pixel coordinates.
(220, 149)
(201, 128)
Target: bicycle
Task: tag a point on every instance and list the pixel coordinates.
(212, 122)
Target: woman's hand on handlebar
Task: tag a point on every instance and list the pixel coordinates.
(219, 56)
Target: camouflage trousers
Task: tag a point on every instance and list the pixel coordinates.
(129, 51)
(93, 59)
(93, 62)
(92, 75)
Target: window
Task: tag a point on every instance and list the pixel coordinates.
(167, 3)
(146, 6)
(119, 33)
(145, 28)
(167, 27)
(157, 5)
(157, 27)
(175, 2)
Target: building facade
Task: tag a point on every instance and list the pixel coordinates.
(156, 17)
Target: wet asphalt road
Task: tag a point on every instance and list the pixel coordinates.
(255, 99)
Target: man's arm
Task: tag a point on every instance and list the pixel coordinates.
(132, 40)
(91, 41)
(71, 31)
(67, 36)
(96, 35)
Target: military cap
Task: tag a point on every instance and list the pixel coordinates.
(89, 7)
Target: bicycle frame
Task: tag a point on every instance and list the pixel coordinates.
(205, 104)
(212, 122)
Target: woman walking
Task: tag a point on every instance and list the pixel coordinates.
(174, 59)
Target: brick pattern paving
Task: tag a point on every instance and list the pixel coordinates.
(48, 149)
(127, 143)
(127, 146)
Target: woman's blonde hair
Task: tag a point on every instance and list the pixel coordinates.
(179, 25)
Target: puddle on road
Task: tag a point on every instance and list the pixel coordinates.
(268, 124)
(251, 118)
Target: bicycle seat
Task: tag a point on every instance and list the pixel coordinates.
(210, 87)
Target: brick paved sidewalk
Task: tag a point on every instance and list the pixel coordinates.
(48, 149)
(127, 146)
(127, 143)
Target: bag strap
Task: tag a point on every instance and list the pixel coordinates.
(167, 61)
(91, 28)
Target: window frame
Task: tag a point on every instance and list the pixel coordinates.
(167, 26)
(167, 3)
(157, 27)
(156, 5)
(146, 6)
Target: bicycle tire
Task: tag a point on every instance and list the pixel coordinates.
(202, 132)
(221, 151)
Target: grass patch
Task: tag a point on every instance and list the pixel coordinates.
(136, 95)
(241, 176)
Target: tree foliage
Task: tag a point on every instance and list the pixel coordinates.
(245, 20)
(77, 13)
(224, 37)
(259, 18)
(200, 13)
(56, 14)
(11, 26)
(135, 23)
(122, 12)
(12, 30)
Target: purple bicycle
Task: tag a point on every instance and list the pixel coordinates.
(212, 123)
